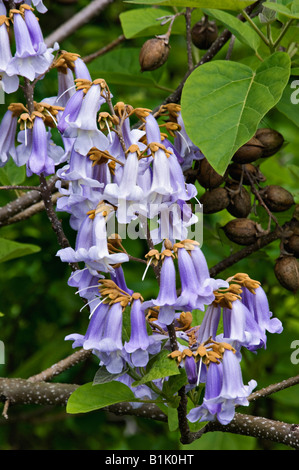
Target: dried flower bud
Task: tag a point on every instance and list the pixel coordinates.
(241, 231)
(271, 140)
(214, 200)
(249, 152)
(235, 170)
(276, 198)
(153, 54)
(204, 33)
(240, 200)
(207, 176)
(287, 272)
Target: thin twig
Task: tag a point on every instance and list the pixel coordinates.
(104, 50)
(188, 38)
(61, 366)
(76, 21)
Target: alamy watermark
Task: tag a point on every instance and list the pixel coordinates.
(2, 94)
(295, 95)
(295, 354)
(2, 353)
(160, 221)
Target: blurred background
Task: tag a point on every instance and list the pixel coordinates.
(38, 309)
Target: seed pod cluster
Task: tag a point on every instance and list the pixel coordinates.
(264, 144)
(153, 54)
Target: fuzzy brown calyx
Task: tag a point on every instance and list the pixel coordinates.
(65, 61)
(244, 280)
(17, 109)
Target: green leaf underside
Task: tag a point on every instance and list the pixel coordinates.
(91, 397)
(9, 249)
(236, 5)
(243, 32)
(292, 12)
(223, 103)
(102, 376)
(158, 367)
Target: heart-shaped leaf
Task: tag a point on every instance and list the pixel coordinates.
(223, 103)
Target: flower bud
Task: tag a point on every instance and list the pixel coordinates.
(287, 272)
(276, 198)
(214, 200)
(271, 140)
(153, 54)
(203, 34)
(241, 231)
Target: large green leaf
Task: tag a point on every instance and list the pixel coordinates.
(91, 397)
(158, 367)
(223, 103)
(10, 249)
(242, 31)
(219, 4)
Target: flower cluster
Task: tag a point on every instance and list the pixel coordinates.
(111, 172)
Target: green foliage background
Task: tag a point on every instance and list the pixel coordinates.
(38, 309)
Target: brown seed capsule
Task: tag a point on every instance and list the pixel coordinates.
(249, 152)
(204, 33)
(241, 231)
(276, 198)
(207, 176)
(235, 170)
(271, 140)
(287, 272)
(240, 201)
(153, 54)
(214, 200)
(292, 245)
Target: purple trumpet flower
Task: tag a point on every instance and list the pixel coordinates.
(91, 246)
(94, 331)
(126, 195)
(167, 297)
(86, 283)
(194, 294)
(224, 390)
(257, 304)
(240, 326)
(7, 137)
(84, 127)
(185, 147)
(139, 341)
(109, 348)
(39, 162)
(32, 58)
(9, 81)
